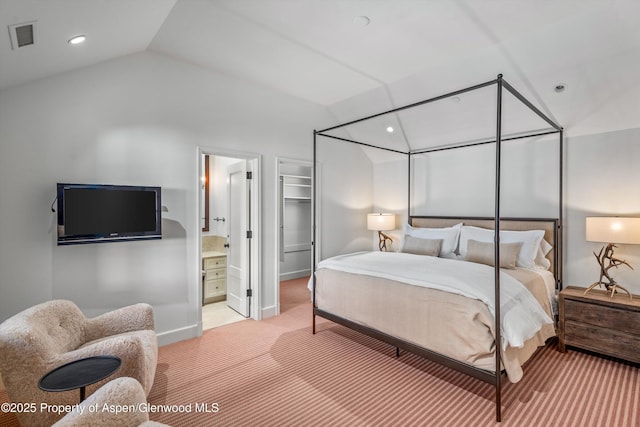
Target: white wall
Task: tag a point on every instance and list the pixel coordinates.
(602, 179)
(390, 179)
(345, 197)
(134, 120)
(462, 181)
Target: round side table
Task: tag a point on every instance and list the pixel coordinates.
(79, 374)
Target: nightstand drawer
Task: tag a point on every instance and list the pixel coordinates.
(601, 340)
(602, 316)
(599, 323)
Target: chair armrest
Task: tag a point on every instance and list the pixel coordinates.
(126, 347)
(126, 319)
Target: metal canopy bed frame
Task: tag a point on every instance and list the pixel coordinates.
(491, 377)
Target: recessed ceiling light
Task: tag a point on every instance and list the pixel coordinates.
(77, 39)
(389, 129)
(361, 21)
(560, 87)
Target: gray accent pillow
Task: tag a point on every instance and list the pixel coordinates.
(483, 253)
(418, 246)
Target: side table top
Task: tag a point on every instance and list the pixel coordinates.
(79, 373)
(602, 297)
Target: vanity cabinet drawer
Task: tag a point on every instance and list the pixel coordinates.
(216, 262)
(216, 273)
(214, 288)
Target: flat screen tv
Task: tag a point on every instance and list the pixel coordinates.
(90, 213)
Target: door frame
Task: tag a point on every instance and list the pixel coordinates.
(254, 163)
(279, 161)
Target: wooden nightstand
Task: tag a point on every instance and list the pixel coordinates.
(598, 323)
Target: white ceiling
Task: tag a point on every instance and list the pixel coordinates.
(312, 49)
(114, 28)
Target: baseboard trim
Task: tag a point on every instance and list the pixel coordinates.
(294, 275)
(269, 311)
(180, 334)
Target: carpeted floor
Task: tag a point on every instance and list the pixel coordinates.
(276, 373)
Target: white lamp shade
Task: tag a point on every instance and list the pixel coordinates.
(381, 221)
(613, 230)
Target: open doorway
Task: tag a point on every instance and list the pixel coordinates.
(229, 206)
(294, 237)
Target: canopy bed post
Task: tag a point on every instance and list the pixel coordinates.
(313, 228)
(559, 233)
(408, 186)
(496, 247)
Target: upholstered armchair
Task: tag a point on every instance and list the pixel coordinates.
(51, 334)
(121, 393)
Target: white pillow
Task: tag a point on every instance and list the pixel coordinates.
(541, 260)
(449, 236)
(530, 242)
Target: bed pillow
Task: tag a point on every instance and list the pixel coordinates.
(530, 242)
(418, 246)
(449, 236)
(541, 260)
(530, 245)
(478, 234)
(483, 253)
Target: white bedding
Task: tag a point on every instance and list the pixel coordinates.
(521, 315)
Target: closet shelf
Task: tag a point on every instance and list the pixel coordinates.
(296, 176)
(297, 198)
(298, 185)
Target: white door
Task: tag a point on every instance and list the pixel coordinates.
(238, 265)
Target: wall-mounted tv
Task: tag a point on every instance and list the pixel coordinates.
(89, 213)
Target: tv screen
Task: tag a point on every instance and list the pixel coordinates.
(90, 213)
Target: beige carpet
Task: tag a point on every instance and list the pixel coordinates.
(276, 373)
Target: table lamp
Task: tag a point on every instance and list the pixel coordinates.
(381, 222)
(611, 230)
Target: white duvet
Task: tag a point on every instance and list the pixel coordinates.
(521, 315)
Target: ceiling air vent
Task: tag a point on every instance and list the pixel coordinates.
(22, 35)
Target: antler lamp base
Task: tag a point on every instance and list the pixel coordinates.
(607, 261)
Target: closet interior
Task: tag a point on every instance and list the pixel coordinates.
(295, 220)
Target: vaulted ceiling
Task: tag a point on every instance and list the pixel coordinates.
(322, 51)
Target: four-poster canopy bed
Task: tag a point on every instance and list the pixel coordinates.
(335, 286)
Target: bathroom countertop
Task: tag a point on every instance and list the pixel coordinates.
(211, 254)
